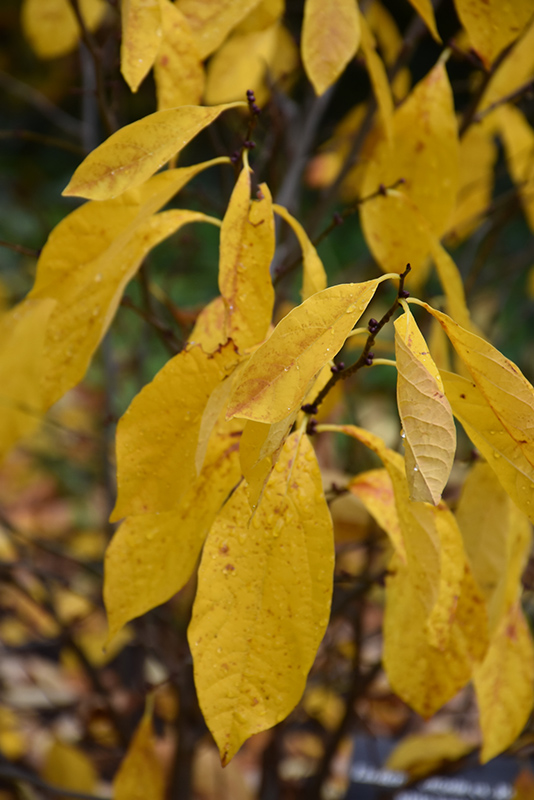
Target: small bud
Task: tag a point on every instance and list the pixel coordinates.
(382, 190)
(372, 325)
(251, 96)
(236, 155)
(249, 144)
(369, 359)
(340, 366)
(255, 109)
(309, 408)
(404, 293)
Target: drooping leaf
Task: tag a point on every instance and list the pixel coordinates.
(263, 601)
(518, 140)
(499, 448)
(279, 373)
(424, 152)
(212, 20)
(51, 26)
(131, 155)
(151, 556)
(426, 416)
(425, 677)
(68, 767)
(88, 298)
(178, 69)
(141, 38)
(259, 449)
(425, 10)
(478, 153)
(22, 333)
(503, 682)
(375, 490)
(378, 76)
(157, 436)
(436, 564)
(390, 42)
(503, 385)
(246, 252)
(514, 71)
(140, 774)
(492, 24)
(314, 275)
(330, 39)
(419, 754)
(265, 14)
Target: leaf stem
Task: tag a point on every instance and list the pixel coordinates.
(363, 360)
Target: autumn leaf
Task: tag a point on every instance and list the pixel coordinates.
(51, 26)
(491, 24)
(263, 600)
(277, 377)
(132, 154)
(157, 436)
(141, 38)
(212, 21)
(314, 275)
(378, 77)
(518, 139)
(499, 448)
(512, 72)
(210, 327)
(168, 544)
(419, 754)
(140, 774)
(502, 384)
(178, 69)
(424, 152)
(426, 416)
(425, 10)
(259, 449)
(246, 251)
(375, 489)
(22, 332)
(330, 39)
(68, 767)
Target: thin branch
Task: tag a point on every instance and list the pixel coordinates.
(108, 119)
(525, 89)
(40, 138)
(33, 97)
(11, 773)
(166, 334)
(366, 358)
(20, 248)
(471, 110)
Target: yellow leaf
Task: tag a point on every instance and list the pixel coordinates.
(420, 754)
(178, 69)
(258, 451)
(13, 744)
(325, 705)
(515, 70)
(246, 252)
(68, 767)
(390, 42)
(51, 26)
(478, 154)
(22, 332)
(157, 436)
(168, 545)
(212, 20)
(503, 684)
(141, 38)
(493, 24)
(375, 490)
(424, 152)
(278, 375)
(436, 564)
(503, 385)
(241, 64)
(265, 14)
(140, 774)
(314, 277)
(330, 39)
(483, 515)
(426, 416)
(425, 10)
(439, 346)
(263, 601)
(422, 675)
(501, 451)
(378, 77)
(518, 140)
(210, 328)
(88, 298)
(131, 155)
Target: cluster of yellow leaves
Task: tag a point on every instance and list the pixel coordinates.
(208, 462)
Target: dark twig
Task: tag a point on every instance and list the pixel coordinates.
(366, 357)
(524, 90)
(471, 110)
(19, 248)
(10, 773)
(166, 334)
(48, 141)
